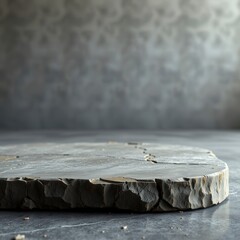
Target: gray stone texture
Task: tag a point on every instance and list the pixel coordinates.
(218, 222)
(110, 176)
(119, 64)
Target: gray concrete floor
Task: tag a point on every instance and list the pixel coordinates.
(219, 222)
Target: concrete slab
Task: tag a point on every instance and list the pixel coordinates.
(140, 177)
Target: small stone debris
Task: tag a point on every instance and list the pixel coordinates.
(124, 227)
(102, 231)
(26, 218)
(45, 235)
(19, 237)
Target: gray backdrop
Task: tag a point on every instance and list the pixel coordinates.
(119, 64)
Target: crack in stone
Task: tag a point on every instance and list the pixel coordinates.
(149, 157)
(179, 163)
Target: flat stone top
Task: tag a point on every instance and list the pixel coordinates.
(141, 161)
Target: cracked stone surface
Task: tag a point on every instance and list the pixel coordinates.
(140, 177)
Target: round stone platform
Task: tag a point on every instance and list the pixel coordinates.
(141, 177)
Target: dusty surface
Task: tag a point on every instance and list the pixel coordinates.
(140, 177)
(218, 222)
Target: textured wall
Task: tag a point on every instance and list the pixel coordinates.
(119, 64)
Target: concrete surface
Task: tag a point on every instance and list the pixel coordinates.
(106, 160)
(219, 222)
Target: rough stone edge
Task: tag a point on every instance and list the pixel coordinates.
(159, 195)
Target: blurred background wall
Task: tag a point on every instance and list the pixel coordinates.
(89, 64)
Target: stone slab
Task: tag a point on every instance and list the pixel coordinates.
(141, 177)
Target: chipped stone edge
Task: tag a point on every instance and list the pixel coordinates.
(159, 195)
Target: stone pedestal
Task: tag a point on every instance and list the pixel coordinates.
(140, 177)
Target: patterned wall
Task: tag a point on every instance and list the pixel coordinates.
(119, 63)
